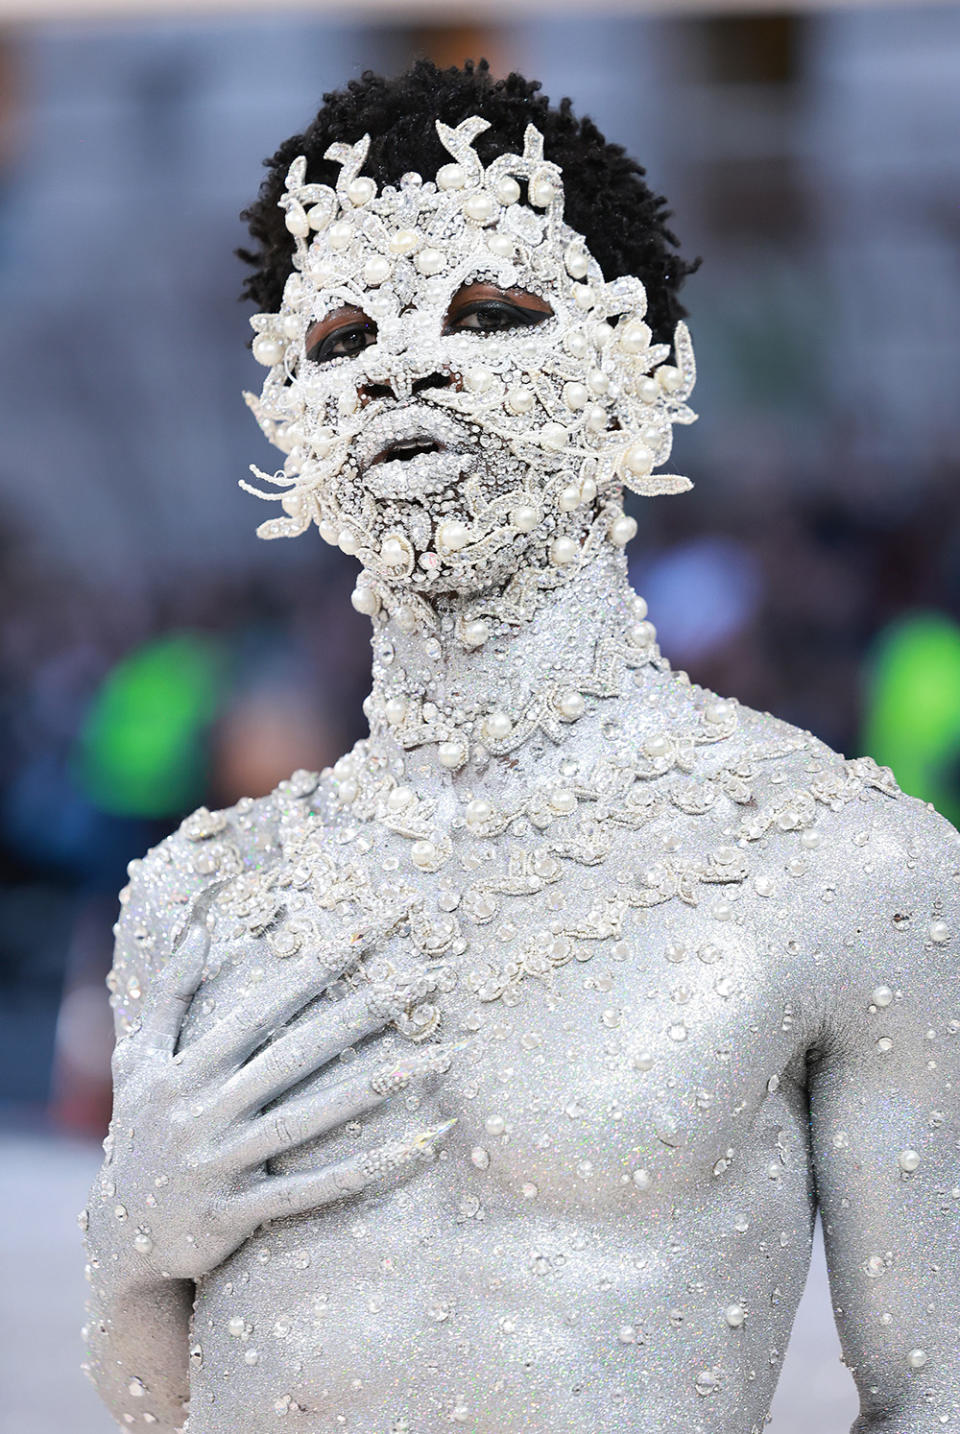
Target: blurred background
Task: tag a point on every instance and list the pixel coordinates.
(154, 655)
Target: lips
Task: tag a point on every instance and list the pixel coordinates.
(399, 435)
(405, 449)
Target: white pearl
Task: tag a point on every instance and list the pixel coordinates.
(348, 791)
(520, 400)
(395, 709)
(641, 1178)
(583, 296)
(562, 800)
(600, 332)
(575, 395)
(500, 244)
(318, 216)
(430, 260)
(297, 223)
(939, 932)
(648, 390)
(598, 382)
(329, 532)
(575, 343)
(569, 499)
(478, 812)
(669, 378)
(377, 270)
(908, 1160)
(638, 459)
(348, 402)
(393, 552)
(291, 325)
(541, 191)
(365, 600)
(563, 552)
(478, 380)
(734, 1315)
(480, 208)
(717, 711)
(423, 853)
(881, 995)
(508, 190)
(340, 236)
(268, 350)
(451, 176)
(361, 189)
(595, 417)
(622, 529)
(524, 518)
(635, 336)
(404, 241)
(451, 754)
(476, 632)
(452, 535)
(572, 705)
(575, 261)
(588, 490)
(399, 798)
(553, 437)
(347, 541)
(406, 618)
(917, 1358)
(640, 608)
(497, 725)
(641, 633)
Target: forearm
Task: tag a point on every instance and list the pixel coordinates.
(137, 1333)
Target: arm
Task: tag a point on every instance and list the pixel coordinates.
(884, 1088)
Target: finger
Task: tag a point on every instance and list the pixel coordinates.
(279, 1196)
(305, 1118)
(267, 1007)
(300, 1052)
(176, 983)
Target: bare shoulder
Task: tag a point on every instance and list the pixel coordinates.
(234, 843)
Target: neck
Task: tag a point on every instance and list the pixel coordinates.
(457, 706)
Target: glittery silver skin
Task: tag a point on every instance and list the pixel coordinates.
(679, 972)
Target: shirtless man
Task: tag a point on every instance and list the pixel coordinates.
(493, 1077)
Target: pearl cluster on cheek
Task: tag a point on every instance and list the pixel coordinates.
(562, 416)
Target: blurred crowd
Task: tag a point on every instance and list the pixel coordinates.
(154, 657)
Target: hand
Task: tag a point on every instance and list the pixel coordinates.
(187, 1170)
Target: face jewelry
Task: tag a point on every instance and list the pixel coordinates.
(522, 438)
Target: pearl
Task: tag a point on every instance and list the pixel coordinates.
(641, 1178)
(365, 600)
(361, 190)
(917, 1358)
(595, 418)
(718, 711)
(340, 235)
(641, 634)
(524, 518)
(478, 380)
(478, 812)
(423, 854)
(142, 1243)
(600, 332)
(622, 529)
(481, 208)
(393, 552)
(648, 390)
(638, 459)
(430, 260)
(404, 241)
(347, 541)
(395, 709)
(406, 618)
(669, 377)
(297, 223)
(908, 1161)
(575, 261)
(734, 1315)
(451, 176)
(881, 996)
(318, 216)
(563, 551)
(268, 350)
(520, 400)
(541, 191)
(475, 632)
(497, 725)
(575, 395)
(562, 800)
(290, 323)
(635, 336)
(399, 798)
(598, 382)
(508, 190)
(583, 296)
(377, 270)
(328, 531)
(452, 535)
(640, 607)
(452, 754)
(569, 499)
(588, 490)
(575, 343)
(939, 932)
(500, 244)
(571, 705)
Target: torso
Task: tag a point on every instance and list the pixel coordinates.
(617, 1232)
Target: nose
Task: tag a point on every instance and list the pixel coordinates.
(398, 388)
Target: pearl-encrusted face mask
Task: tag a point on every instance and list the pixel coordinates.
(446, 457)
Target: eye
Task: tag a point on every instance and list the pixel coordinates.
(492, 316)
(346, 341)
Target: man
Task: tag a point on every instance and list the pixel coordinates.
(649, 974)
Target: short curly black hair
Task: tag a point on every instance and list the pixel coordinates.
(606, 197)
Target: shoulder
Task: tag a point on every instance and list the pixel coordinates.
(207, 848)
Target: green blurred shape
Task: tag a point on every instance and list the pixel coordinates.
(141, 750)
(912, 717)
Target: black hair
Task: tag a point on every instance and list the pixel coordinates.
(606, 197)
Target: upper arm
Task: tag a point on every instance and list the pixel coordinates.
(884, 1084)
